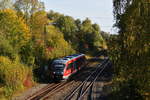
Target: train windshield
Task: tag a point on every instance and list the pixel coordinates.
(58, 66)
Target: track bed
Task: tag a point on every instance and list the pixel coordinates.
(56, 92)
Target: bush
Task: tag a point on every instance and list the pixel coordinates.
(12, 75)
(6, 49)
(27, 53)
(126, 90)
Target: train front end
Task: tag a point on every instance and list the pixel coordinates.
(57, 70)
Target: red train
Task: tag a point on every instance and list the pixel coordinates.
(65, 67)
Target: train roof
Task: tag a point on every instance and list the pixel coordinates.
(77, 54)
(67, 58)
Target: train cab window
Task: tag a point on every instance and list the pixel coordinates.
(70, 66)
(58, 66)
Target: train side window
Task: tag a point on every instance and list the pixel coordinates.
(78, 62)
(75, 64)
(83, 60)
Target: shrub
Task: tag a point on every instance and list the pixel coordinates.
(12, 75)
(27, 53)
(6, 49)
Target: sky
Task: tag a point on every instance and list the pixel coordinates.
(99, 11)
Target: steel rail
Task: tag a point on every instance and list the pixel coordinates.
(52, 88)
(39, 92)
(56, 90)
(44, 91)
(91, 84)
(82, 84)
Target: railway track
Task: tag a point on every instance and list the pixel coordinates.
(87, 84)
(44, 91)
(52, 88)
(63, 86)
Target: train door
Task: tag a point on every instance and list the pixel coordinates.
(78, 64)
(82, 62)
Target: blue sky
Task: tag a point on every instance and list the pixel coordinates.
(99, 11)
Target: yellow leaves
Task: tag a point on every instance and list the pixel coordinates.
(7, 12)
(40, 17)
(25, 28)
(38, 23)
(12, 73)
(55, 41)
(14, 27)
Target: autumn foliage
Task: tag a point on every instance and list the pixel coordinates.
(30, 38)
(132, 50)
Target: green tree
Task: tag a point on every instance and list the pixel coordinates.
(90, 37)
(12, 76)
(82, 35)
(78, 24)
(6, 49)
(13, 28)
(54, 15)
(67, 25)
(55, 44)
(132, 19)
(38, 23)
(105, 35)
